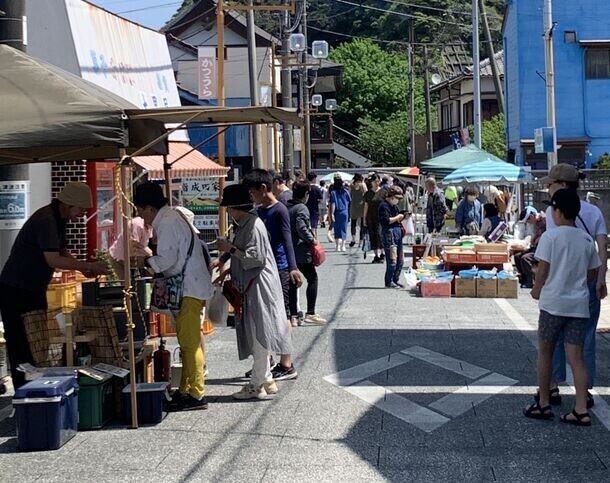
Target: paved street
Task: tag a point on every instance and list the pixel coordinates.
(394, 388)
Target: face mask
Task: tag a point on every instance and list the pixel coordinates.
(393, 201)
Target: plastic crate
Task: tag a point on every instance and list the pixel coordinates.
(95, 402)
(151, 397)
(61, 295)
(46, 413)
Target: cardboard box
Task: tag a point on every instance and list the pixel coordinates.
(462, 256)
(465, 287)
(487, 288)
(508, 289)
(435, 288)
(491, 257)
(491, 247)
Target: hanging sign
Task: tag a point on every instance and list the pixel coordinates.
(206, 63)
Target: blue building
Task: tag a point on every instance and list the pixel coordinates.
(582, 71)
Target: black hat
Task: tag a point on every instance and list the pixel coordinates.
(237, 196)
(149, 194)
(566, 201)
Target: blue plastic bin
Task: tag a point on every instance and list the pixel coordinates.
(46, 412)
(151, 397)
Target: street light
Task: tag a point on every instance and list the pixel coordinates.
(331, 105)
(297, 42)
(316, 100)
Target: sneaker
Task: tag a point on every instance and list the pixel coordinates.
(352, 243)
(382, 257)
(330, 237)
(270, 387)
(281, 373)
(377, 260)
(189, 403)
(251, 392)
(314, 319)
(301, 319)
(294, 321)
(399, 284)
(392, 285)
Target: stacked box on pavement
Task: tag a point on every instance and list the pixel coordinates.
(436, 288)
(465, 287)
(508, 288)
(487, 288)
(453, 255)
(491, 252)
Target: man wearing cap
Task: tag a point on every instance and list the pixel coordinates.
(39, 249)
(179, 250)
(525, 261)
(591, 220)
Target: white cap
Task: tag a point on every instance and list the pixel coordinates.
(189, 215)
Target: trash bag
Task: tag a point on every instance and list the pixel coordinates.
(217, 308)
(366, 240)
(411, 279)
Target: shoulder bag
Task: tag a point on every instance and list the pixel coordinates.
(167, 291)
(318, 255)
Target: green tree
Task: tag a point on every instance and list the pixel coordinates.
(603, 162)
(493, 136)
(374, 84)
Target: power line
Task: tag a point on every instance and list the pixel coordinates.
(151, 7)
(437, 9)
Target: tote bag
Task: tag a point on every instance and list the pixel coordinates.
(318, 255)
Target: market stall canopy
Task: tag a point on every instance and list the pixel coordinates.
(49, 114)
(345, 177)
(220, 115)
(488, 172)
(185, 162)
(448, 163)
(413, 171)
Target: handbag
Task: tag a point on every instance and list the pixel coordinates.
(167, 291)
(403, 230)
(217, 308)
(318, 255)
(235, 297)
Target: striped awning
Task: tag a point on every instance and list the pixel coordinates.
(191, 165)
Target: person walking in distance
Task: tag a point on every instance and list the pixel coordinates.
(277, 221)
(313, 202)
(260, 320)
(303, 240)
(390, 219)
(39, 249)
(179, 251)
(590, 220)
(323, 206)
(371, 217)
(357, 191)
(340, 201)
(566, 256)
(436, 209)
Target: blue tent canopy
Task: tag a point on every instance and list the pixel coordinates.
(488, 172)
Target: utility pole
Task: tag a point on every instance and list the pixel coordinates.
(428, 113)
(286, 82)
(305, 96)
(476, 73)
(550, 78)
(220, 28)
(276, 143)
(257, 148)
(492, 58)
(412, 89)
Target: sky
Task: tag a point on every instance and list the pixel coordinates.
(150, 13)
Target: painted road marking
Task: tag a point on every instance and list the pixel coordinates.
(454, 365)
(529, 330)
(355, 381)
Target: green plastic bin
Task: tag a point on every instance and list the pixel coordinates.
(95, 402)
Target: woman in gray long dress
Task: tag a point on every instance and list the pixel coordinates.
(261, 323)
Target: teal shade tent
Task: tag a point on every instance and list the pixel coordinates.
(448, 163)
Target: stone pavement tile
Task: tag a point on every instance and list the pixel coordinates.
(529, 474)
(302, 452)
(338, 473)
(446, 474)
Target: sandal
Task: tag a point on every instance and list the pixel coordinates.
(554, 397)
(535, 411)
(590, 400)
(578, 419)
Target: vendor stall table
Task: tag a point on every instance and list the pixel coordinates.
(455, 267)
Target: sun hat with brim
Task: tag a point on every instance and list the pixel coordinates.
(237, 196)
(394, 191)
(561, 172)
(529, 211)
(76, 194)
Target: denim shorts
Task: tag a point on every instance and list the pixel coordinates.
(551, 326)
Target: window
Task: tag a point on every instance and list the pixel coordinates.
(469, 114)
(447, 113)
(598, 64)
(489, 109)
